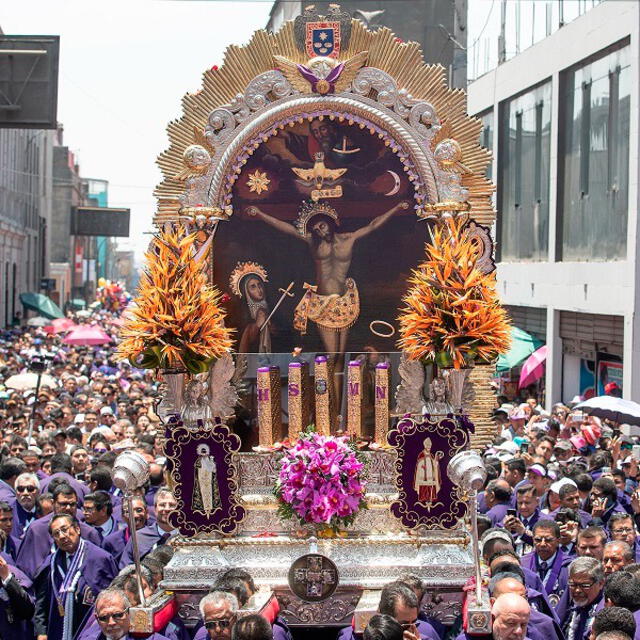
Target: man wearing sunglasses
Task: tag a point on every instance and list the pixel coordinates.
(69, 580)
(219, 611)
(112, 615)
(24, 511)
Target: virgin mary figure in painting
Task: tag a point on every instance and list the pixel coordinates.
(248, 281)
(206, 494)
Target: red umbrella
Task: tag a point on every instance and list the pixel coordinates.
(60, 325)
(533, 368)
(85, 335)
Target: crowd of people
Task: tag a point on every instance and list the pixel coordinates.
(558, 517)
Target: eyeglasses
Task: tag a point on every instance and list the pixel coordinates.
(580, 586)
(119, 615)
(27, 489)
(540, 540)
(623, 530)
(61, 531)
(223, 623)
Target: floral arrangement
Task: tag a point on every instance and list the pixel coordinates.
(452, 314)
(321, 481)
(176, 320)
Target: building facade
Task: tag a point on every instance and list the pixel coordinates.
(26, 191)
(561, 118)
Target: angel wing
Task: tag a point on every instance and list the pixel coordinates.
(223, 394)
(334, 174)
(409, 395)
(291, 73)
(351, 67)
(305, 174)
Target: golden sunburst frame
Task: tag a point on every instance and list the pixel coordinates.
(370, 78)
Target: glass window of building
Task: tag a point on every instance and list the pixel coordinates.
(486, 137)
(593, 183)
(523, 175)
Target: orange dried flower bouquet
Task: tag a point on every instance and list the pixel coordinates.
(452, 314)
(176, 320)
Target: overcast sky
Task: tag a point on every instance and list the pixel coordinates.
(124, 66)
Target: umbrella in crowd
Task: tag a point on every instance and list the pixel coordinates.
(87, 335)
(60, 325)
(523, 345)
(41, 304)
(38, 321)
(533, 368)
(29, 380)
(610, 408)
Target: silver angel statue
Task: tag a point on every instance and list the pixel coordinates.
(195, 402)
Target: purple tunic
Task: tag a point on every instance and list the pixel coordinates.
(21, 519)
(22, 607)
(37, 544)
(7, 493)
(97, 570)
(148, 539)
(80, 488)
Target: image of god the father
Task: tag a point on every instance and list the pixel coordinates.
(426, 480)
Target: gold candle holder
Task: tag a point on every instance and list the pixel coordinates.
(354, 399)
(269, 410)
(381, 402)
(323, 396)
(298, 393)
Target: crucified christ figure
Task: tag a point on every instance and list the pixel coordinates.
(333, 303)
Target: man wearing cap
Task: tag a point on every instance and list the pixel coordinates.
(612, 389)
(537, 476)
(547, 560)
(563, 451)
(569, 498)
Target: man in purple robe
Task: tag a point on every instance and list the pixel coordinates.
(98, 513)
(10, 469)
(547, 560)
(498, 499)
(399, 601)
(115, 542)
(586, 581)
(16, 601)
(8, 543)
(69, 580)
(154, 535)
(37, 543)
(27, 489)
(61, 468)
(112, 617)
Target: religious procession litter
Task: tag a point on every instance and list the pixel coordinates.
(292, 430)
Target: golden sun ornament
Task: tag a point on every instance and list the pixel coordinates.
(258, 182)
